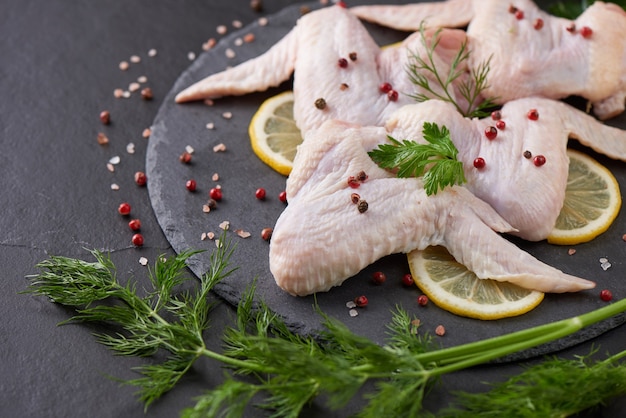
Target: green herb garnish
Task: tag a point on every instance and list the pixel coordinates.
(471, 89)
(571, 9)
(286, 369)
(436, 160)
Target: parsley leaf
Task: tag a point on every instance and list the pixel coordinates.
(436, 161)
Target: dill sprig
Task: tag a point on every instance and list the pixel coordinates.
(265, 357)
(548, 389)
(436, 160)
(471, 88)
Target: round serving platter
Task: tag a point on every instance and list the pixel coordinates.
(180, 213)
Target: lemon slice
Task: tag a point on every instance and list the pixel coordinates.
(592, 202)
(452, 287)
(274, 135)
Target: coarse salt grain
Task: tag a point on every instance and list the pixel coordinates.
(238, 42)
(124, 65)
(224, 225)
(353, 312)
(263, 21)
(571, 251)
(126, 94)
(210, 235)
(142, 79)
(237, 24)
(210, 125)
(146, 133)
(189, 149)
(115, 187)
(227, 115)
(230, 53)
(115, 160)
(134, 86)
(152, 52)
(110, 167)
(209, 44)
(102, 139)
(191, 56)
(118, 93)
(219, 148)
(242, 233)
(203, 236)
(221, 29)
(209, 102)
(135, 59)
(143, 261)
(215, 177)
(604, 263)
(440, 330)
(206, 208)
(350, 304)
(130, 148)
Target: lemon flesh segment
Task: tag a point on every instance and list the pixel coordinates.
(452, 287)
(592, 202)
(273, 133)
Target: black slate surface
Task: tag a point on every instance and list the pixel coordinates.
(58, 70)
(241, 172)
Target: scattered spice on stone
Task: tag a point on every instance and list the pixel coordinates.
(219, 147)
(571, 251)
(134, 86)
(222, 29)
(143, 261)
(266, 233)
(215, 177)
(248, 38)
(130, 148)
(124, 65)
(422, 300)
(185, 158)
(224, 225)
(118, 93)
(209, 44)
(361, 301)
(105, 117)
(440, 330)
(146, 133)
(210, 125)
(350, 304)
(102, 138)
(110, 167)
(115, 160)
(142, 79)
(152, 52)
(146, 93)
(238, 42)
(189, 149)
(242, 233)
(263, 21)
(191, 55)
(227, 115)
(237, 24)
(135, 59)
(230, 53)
(115, 187)
(256, 5)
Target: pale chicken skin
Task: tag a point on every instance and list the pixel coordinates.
(533, 53)
(525, 192)
(351, 91)
(322, 238)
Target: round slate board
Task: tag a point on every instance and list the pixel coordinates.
(183, 221)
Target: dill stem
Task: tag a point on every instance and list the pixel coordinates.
(232, 361)
(467, 355)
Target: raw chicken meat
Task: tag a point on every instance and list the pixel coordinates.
(322, 238)
(313, 49)
(533, 53)
(528, 196)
